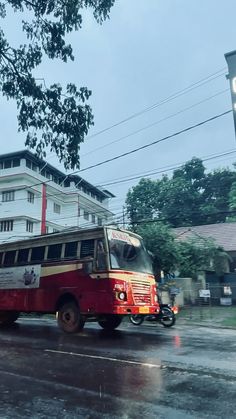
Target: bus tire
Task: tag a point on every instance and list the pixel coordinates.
(7, 318)
(69, 318)
(110, 322)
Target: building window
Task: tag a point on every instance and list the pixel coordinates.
(29, 226)
(93, 219)
(6, 225)
(67, 183)
(56, 208)
(31, 165)
(28, 163)
(86, 215)
(99, 221)
(78, 211)
(16, 163)
(55, 230)
(55, 179)
(30, 197)
(7, 164)
(47, 230)
(8, 196)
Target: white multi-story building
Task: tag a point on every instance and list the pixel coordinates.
(35, 198)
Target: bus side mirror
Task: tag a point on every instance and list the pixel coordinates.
(88, 267)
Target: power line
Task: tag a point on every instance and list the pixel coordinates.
(154, 142)
(173, 96)
(143, 221)
(54, 221)
(130, 152)
(164, 169)
(164, 101)
(167, 220)
(155, 123)
(102, 211)
(170, 116)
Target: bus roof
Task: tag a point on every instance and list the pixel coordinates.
(70, 234)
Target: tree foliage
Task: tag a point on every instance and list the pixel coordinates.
(162, 245)
(142, 200)
(196, 255)
(232, 202)
(189, 197)
(188, 257)
(50, 117)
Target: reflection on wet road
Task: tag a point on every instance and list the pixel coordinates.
(144, 372)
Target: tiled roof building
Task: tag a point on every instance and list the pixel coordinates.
(224, 234)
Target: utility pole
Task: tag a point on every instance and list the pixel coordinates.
(231, 62)
(44, 209)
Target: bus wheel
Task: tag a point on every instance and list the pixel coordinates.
(69, 318)
(110, 322)
(7, 318)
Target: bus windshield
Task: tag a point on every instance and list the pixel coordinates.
(127, 252)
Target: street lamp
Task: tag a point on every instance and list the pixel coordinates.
(231, 62)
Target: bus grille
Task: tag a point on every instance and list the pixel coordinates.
(141, 291)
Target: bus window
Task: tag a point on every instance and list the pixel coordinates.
(127, 253)
(23, 255)
(71, 250)
(1, 253)
(10, 257)
(87, 248)
(37, 253)
(101, 256)
(54, 251)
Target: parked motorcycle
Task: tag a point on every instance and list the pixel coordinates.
(166, 316)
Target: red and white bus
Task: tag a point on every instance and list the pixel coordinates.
(99, 274)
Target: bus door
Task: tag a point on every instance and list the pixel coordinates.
(95, 291)
(102, 284)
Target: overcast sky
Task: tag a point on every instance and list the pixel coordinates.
(146, 52)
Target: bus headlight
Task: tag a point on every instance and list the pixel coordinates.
(122, 295)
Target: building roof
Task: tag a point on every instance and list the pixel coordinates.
(224, 234)
(43, 163)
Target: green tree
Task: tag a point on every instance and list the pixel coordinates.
(189, 257)
(216, 196)
(50, 117)
(142, 201)
(189, 197)
(196, 255)
(160, 241)
(221, 260)
(178, 202)
(232, 202)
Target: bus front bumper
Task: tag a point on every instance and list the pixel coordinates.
(136, 310)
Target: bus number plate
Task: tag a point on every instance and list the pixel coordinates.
(143, 310)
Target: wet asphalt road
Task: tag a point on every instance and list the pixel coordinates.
(135, 372)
